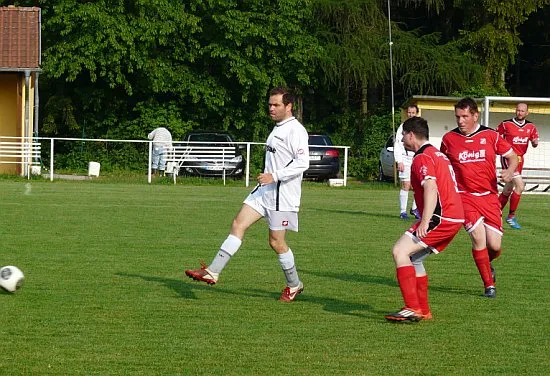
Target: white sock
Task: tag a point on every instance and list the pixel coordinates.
(228, 248)
(414, 204)
(403, 198)
(289, 268)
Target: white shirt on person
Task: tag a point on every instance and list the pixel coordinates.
(161, 137)
(286, 158)
(400, 154)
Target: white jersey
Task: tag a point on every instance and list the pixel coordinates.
(399, 152)
(286, 158)
(161, 137)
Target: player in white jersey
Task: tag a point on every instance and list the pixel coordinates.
(276, 197)
(403, 158)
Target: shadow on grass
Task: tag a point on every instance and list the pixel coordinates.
(357, 212)
(386, 281)
(185, 290)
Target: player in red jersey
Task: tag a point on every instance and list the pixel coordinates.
(519, 132)
(472, 150)
(442, 216)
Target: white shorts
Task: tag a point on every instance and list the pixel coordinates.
(276, 220)
(405, 175)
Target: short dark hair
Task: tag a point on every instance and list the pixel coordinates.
(288, 96)
(418, 126)
(466, 103)
(414, 106)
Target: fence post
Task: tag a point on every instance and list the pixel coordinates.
(247, 179)
(150, 160)
(51, 159)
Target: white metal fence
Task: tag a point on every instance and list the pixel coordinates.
(50, 145)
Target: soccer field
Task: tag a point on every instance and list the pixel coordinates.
(105, 292)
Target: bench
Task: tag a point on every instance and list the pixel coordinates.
(25, 153)
(200, 159)
(535, 179)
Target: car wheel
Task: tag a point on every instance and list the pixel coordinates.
(380, 172)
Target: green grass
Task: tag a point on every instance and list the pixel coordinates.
(105, 293)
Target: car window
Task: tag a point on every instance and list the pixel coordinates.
(319, 140)
(209, 137)
(390, 142)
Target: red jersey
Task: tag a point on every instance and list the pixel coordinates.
(518, 134)
(473, 158)
(430, 163)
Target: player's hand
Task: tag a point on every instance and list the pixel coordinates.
(400, 167)
(422, 229)
(507, 176)
(264, 179)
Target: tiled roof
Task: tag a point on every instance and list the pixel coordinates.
(19, 37)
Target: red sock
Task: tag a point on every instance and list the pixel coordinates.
(406, 276)
(494, 254)
(514, 202)
(422, 292)
(503, 199)
(481, 258)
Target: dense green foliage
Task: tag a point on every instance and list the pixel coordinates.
(120, 68)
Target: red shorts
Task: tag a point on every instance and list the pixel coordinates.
(482, 210)
(519, 169)
(440, 233)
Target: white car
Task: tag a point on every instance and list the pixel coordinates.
(386, 162)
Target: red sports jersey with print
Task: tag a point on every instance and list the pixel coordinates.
(473, 158)
(518, 134)
(430, 163)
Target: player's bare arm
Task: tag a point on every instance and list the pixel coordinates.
(430, 201)
(508, 174)
(400, 167)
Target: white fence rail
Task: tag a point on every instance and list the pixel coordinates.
(29, 153)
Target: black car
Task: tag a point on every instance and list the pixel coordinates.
(206, 162)
(324, 160)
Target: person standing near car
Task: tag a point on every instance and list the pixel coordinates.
(403, 159)
(276, 196)
(162, 142)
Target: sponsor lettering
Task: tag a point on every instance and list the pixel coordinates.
(441, 155)
(471, 156)
(270, 149)
(520, 140)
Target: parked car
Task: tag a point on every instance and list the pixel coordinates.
(209, 165)
(324, 161)
(386, 161)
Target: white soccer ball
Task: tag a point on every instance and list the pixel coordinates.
(11, 278)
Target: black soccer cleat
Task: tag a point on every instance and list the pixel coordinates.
(490, 292)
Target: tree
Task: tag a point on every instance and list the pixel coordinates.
(127, 65)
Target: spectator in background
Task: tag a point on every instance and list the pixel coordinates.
(162, 141)
(518, 132)
(403, 158)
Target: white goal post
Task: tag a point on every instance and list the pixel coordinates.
(536, 170)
